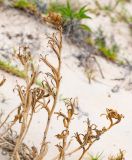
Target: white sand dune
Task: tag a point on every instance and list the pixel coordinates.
(93, 98)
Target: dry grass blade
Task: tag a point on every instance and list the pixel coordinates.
(2, 81)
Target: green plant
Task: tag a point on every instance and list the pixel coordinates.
(99, 41)
(9, 68)
(67, 12)
(22, 4)
(1, 1)
(25, 4)
(108, 52)
(70, 14)
(95, 157)
(85, 28)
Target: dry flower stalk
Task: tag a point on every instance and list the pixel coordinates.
(52, 88)
(34, 99)
(70, 106)
(85, 140)
(119, 156)
(27, 96)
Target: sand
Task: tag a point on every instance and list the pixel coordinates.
(93, 98)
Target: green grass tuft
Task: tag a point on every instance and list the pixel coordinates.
(24, 4)
(109, 53)
(7, 67)
(68, 12)
(98, 156)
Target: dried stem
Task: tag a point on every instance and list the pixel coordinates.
(56, 45)
(8, 116)
(93, 134)
(26, 98)
(45, 97)
(70, 105)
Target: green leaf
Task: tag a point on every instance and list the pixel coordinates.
(81, 14)
(83, 10)
(85, 27)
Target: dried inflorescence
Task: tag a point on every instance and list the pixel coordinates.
(93, 133)
(54, 18)
(44, 97)
(70, 106)
(119, 156)
(113, 117)
(87, 139)
(35, 98)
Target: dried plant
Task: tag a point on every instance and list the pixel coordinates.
(37, 98)
(52, 88)
(54, 19)
(93, 134)
(85, 140)
(91, 66)
(70, 106)
(32, 98)
(119, 156)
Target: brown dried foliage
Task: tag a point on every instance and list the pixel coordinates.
(44, 97)
(119, 156)
(54, 19)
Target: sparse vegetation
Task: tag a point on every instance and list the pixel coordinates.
(110, 6)
(99, 41)
(108, 52)
(71, 17)
(11, 69)
(25, 5)
(22, 4)
(95, 157)
(35, 99)
(68, 12)
(119, 156)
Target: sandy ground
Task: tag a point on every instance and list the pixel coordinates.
(17, 28)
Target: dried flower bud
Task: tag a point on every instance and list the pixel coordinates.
(54, 18)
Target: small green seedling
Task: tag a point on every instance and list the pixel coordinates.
(108, 52)
(67, 12)
(24, 4)
(98, 156)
